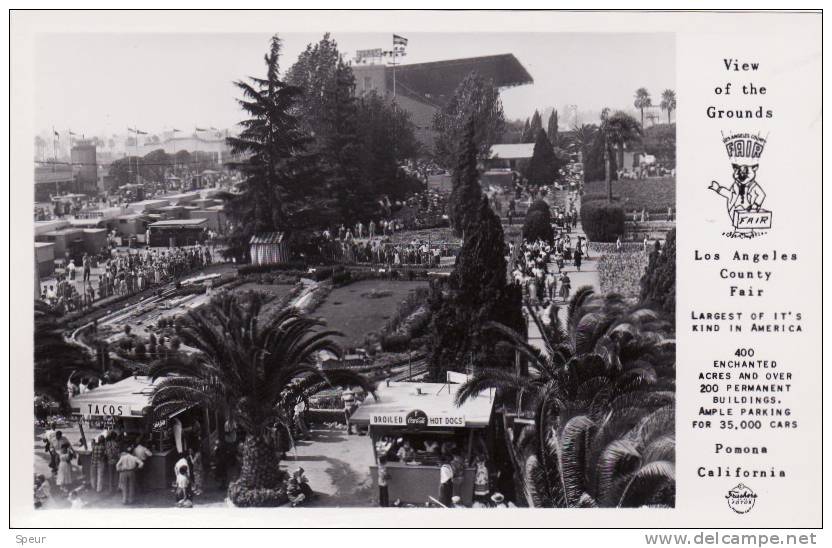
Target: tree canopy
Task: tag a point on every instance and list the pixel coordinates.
(475, 97)
(466, 192)
(281, 186)
(552, 128)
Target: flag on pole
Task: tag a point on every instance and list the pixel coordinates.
(201, 129)
(140, 132)
(72, 134)
(399, 40)
(56, 134)
(177, 130)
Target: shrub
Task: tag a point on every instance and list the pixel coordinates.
(539, 205)
(246, 497)
(342, 278)
(261, 268)
(658, 285)
(395, 342)
(322, 274)
(538, 226)
(602, 222)
(140, 350)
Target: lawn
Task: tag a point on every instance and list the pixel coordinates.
(362, 307)
(654, 194)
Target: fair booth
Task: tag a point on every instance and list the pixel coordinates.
(424, 416)
(124, 406)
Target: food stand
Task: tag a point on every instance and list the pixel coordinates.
(125, 406)
(425, 416)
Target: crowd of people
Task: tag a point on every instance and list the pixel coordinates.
(380, 252)
(533, 268)
(122, 273)
(116, 465)
(446, 454)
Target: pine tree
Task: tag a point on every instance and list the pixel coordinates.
(466, 192)
(544, 164)
(278, 185)
(552, 128)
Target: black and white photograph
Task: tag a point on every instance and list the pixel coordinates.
(382, 269)
(391, 269)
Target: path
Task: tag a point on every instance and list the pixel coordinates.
(587, 275)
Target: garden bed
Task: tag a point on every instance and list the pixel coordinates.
(363, 307)
(622, 272)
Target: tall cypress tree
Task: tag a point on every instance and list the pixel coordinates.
(466, 191)
(534, 128)
(552, 128)
(543, 166)
(476, 293)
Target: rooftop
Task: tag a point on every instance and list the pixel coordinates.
(179, 222)
(435, 82)
(127, 397)
(436, 400)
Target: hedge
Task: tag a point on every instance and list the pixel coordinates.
(261, 268)
(538, 226)
(602, 222)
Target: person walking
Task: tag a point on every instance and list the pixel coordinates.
(64, 477)
(127, 467)
(348, 398)
(300, 422)
(565, 286)
(98, 465)
(577, 256)
(481, 478)
(446, 484)
(111, 450)
(383, 477)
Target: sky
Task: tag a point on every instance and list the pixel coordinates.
(100, 84)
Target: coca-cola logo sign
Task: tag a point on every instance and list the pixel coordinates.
(416, 419)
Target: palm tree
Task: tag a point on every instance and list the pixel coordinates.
(242, 369)
(642, 101)
(618, 130)
(57, 359)
(668, 102)
(603, 402)
(582, 138)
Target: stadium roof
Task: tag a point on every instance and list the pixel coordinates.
(435, 82)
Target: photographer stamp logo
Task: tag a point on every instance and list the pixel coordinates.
(741, 499)
(744, 197)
